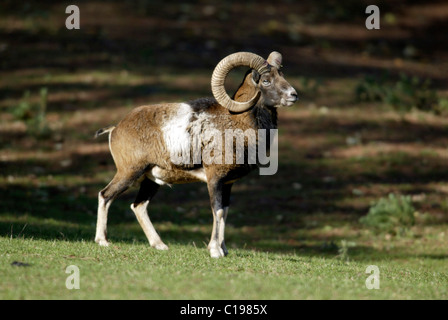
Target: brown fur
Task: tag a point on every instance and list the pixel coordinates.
(138, 148)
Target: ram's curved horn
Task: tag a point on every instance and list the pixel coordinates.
(223, 68)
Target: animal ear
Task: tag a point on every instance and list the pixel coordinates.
(255, 76)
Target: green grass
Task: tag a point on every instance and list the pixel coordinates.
(256, 268)
(134, 271)
(392, 214)
(294, 235)
(284, 243)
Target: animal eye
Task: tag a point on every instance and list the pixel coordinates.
(266, 82)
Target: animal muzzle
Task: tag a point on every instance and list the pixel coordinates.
(290, 97)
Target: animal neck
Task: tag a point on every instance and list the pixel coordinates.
(266, 117)
(258, 117)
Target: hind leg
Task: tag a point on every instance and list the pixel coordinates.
(147, 191)
(225, 204)
(119, 184)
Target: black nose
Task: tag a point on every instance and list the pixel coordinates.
(295, 96)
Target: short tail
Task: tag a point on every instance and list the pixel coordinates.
(103, 131)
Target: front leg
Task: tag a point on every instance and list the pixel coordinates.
(216, 245)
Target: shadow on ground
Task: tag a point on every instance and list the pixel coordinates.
(148, 39)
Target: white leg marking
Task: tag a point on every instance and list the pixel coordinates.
(214, 246)
(142, 216)
(101, 224)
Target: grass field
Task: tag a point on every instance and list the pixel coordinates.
(294, 235)
(132, 271)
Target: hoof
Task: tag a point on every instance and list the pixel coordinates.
(216, 251)
(224, 249)
(160, 246)
(102, 242)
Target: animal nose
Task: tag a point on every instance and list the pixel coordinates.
(294, 95)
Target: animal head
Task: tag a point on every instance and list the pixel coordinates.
(275, 90)
(265, 82)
